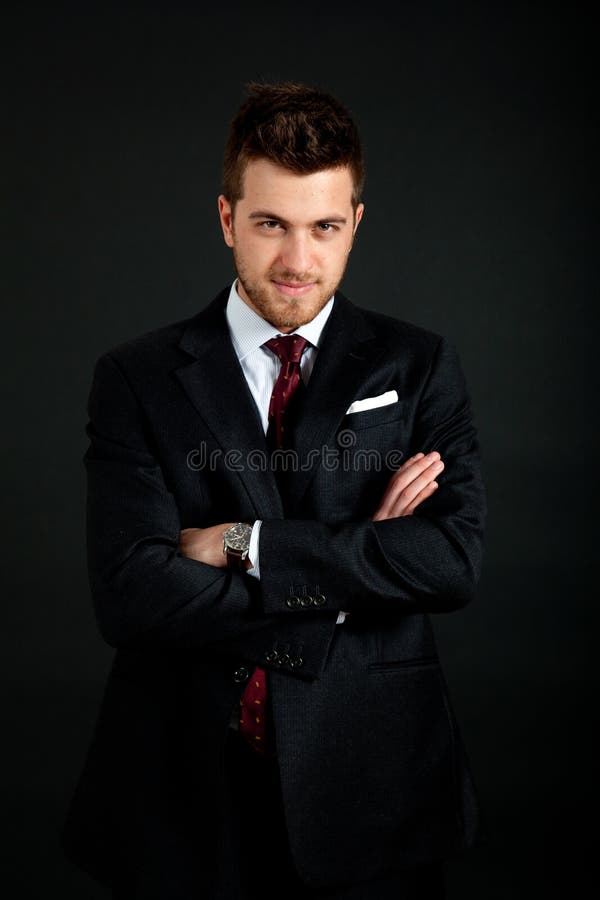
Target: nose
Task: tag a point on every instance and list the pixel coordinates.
(296, 253)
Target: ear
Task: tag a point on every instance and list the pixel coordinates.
(226, 217)
(358, 216)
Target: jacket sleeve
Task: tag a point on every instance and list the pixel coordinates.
(427, 562)
(145, 593)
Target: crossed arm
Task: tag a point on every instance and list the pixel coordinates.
(154, 584)
(412, 483)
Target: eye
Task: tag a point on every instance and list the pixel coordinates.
(326, 227)
(269, 224)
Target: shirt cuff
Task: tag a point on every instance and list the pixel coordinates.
(253, 550)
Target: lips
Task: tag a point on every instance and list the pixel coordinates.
(294, 289)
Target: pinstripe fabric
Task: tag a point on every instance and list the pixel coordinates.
(255, 860)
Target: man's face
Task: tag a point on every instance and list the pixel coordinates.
(291, 235)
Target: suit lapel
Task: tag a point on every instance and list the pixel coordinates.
(347, 353)
(216, 386)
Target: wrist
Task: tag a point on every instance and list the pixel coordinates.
(236, 546)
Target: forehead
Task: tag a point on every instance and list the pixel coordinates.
(289, 194)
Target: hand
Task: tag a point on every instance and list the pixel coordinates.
(412, 483)
(206, 545)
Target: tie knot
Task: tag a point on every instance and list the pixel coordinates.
(288, 348)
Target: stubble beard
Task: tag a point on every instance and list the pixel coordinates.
(279, 311)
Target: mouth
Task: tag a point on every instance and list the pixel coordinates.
(293, 289)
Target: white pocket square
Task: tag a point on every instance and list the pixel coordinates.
(373, 402)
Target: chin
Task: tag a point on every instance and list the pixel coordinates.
(290, 313)
(284, 320)
(281, 321)
(284, 312)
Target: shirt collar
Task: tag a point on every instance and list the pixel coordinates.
(249, 330)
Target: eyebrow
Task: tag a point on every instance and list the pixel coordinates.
(265, 214)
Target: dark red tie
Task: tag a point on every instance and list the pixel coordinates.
(289, 349)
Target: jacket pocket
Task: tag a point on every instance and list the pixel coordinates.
(378, 415)
(419, 662)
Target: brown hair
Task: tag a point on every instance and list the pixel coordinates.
(300, 128)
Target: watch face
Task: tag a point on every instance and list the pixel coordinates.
(238, 536)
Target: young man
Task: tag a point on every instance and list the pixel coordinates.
(280, 490)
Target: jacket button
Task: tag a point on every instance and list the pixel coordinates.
(271, 656)
(292, 602)
(306, 600)
(296, 662)
(284, 659)
(241, 674)
(319, 600)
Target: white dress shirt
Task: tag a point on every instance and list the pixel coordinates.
(261, 366)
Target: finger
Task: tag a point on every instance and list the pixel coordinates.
(409, 483)
(398, 501)
(422, 495)
(420, 460)
(402, 477)
(412, 491)
(410, 460)
(413, 468)
(404, 506)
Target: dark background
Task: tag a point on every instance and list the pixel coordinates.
(481, 216)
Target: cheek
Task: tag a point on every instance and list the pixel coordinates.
(337, 260)
(256, 252)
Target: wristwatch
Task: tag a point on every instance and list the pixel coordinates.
(236, 543)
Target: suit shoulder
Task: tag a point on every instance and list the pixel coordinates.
(150, 345)
(160, 349)
(399, 332)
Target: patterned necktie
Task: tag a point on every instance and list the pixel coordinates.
(289, 349)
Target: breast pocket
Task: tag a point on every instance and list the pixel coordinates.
(370, 418)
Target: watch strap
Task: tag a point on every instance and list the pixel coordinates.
(236, 559)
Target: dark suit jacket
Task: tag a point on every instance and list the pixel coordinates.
(373, 772)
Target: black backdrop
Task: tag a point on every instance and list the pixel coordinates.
(478, 124)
